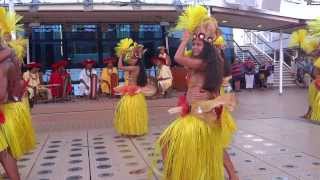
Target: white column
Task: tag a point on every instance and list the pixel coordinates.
(167, 43)
(281, 65)
(274, 56)
(11, 9)
(28, 51)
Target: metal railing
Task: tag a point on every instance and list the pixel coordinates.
(259, 44)
(245, 51)
(263, 47)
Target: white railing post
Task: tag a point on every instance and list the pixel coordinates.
(28, 51)
(281, 65)
(274, 56)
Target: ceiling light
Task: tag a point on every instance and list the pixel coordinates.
(259, 26)
(224, 21)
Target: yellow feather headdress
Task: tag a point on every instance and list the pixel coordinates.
(317, 63)
(219, 41)
(310, 44)
(9, 22)
(298, 37)
(19, 47)
(195, 19)
(191, 18)
(314, 27)
(128, 48)
(3, 13)
(123, 47)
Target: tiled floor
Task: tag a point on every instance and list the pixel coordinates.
(76, 141)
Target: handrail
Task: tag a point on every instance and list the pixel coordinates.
(242, 50)
(267, 55)
(260, 39)
(266, 44)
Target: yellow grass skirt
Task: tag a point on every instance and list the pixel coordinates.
(17, 129)
(131, 115)
(3, 142)
(312, 92)
(194, 150)
(229, 126)
(315, 108)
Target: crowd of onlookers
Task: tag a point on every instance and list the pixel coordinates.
(248, 74)
(91, 81)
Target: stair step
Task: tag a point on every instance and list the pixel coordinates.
(287, 85)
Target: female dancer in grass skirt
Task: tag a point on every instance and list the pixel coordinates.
(229, 126)
(192, 146)
(314, 94)
(17, 134)
(131, 115)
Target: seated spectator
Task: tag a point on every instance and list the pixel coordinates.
(164, 76)
(109, 77)
(86, 77)
(34, 87)
(163, 54)
(60, 82)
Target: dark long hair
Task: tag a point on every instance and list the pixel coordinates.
(142, 76)
(213, 68)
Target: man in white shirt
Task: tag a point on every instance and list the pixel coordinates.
(85, 77)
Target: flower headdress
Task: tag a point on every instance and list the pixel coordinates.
(9, 22)
(19, 47)
(314, 27)
(196, 20)
(128, 48)
(298, 37)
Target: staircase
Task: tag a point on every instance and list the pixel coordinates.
(260, 57)
(288, 78)
(252, 50)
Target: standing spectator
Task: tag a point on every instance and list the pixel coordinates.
(236, 74)
(249, 73)
(263, 74)
(270, 70)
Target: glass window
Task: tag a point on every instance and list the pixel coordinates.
(108, 48)
(84, 28)
(150, 31)
(229, 47)
(47, 32)
(123, 30)
(117, 31)
(46, 52)
(82, 31)
(81, 50)
(113, 34)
